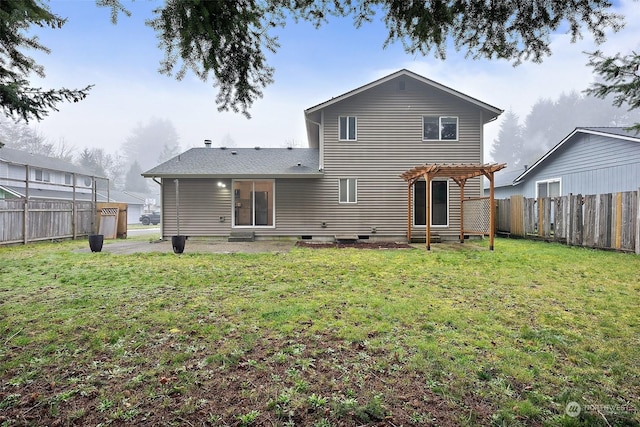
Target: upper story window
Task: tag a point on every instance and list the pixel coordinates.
(439, 128)
(42, 175)
(347, 128)
(68, 178)
(348, 190)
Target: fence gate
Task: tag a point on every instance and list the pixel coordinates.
(109, 222)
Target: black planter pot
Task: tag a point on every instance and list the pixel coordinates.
(178, 243)
(95, 242)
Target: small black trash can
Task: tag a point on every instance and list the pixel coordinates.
(178, 243)
(95, 242)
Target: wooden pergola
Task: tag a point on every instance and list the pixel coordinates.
(459, 173)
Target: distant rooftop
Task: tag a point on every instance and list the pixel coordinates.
(38, 160)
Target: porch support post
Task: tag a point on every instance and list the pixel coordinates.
(461, 183)
(427, 178)
(492, 209)
(409, 211)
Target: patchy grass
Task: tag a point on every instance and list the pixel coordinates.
(320, 337)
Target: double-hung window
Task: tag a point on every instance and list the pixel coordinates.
(42, 175)
(348, 128)
(348, 190)
(439, 128)
(548, 188)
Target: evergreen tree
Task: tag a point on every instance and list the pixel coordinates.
(17, 97)
(619, 78)
(155, 136)
(508, 147)
(134, 181)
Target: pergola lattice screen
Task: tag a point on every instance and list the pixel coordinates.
(476, 215)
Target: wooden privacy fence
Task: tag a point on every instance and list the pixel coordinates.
(607, 221)
(27, 220)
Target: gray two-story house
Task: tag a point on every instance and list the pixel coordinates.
(34, 176)
(348, 181)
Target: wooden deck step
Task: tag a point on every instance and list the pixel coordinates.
(246, 236)
(435, 238)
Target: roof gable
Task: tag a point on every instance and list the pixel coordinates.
(610, 132)
(492, 112)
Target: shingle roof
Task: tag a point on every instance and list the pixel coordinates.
(40, 193)
(505, 178)
(618, 131)
(241, 162)
(25, 158)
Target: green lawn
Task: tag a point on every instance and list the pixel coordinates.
(320, 337)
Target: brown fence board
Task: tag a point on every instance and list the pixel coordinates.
(590, 213)
(45, 219)
(544, 217)
(530, 216)
(603, 221)
(503, 215)
(608, 221)
(517, 216)
(629, 213)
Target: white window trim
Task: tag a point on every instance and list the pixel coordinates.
(45, 176)
(355, 137)
(356, 195)
(440, 128)
(548, 181)
(429, 213)
(233, 210)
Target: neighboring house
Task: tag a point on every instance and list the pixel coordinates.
(349, 179)
(590, 160)
(47, 177)
(503, 185)
(135, 204)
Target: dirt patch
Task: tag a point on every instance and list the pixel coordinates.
(313, 380)
(355, 245)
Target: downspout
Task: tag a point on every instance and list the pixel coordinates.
(153, 178)
(321, 140)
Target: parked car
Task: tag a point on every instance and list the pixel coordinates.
(150, 218)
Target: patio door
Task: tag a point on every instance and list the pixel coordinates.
(439, 203)
(253, 203)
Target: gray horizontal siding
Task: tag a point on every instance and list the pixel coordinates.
(389, 143)
(202, 203)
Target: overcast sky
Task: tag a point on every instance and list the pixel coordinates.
(311, 65)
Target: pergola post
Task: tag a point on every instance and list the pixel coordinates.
(409, 185)
(427, 178)
(492, 209)
(461, 183)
